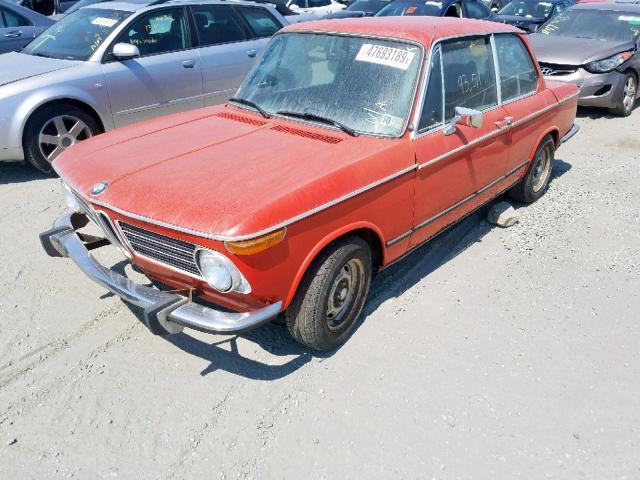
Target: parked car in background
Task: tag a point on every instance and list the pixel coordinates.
(47, 7)
(435, 8)
(316, 7)
(113, 64)
(351, 143)
(18, 26)
(596, 47)
(529, 15)
(360, 8)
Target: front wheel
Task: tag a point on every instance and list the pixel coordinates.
(53, 129)
(332, 294)
(535, 182)
(628, 95)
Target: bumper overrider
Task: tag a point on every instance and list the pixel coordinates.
(163, 312)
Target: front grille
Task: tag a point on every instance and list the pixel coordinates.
(554, 70)
(161, 248)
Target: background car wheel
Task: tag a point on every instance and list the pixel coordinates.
(332, 294)
(628, 96)
(53, 129)
(535, 182)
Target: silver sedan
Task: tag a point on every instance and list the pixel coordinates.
(116, 63)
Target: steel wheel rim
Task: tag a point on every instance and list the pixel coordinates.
(629, 96)
(60, 133)
(541, 169)
(344, 293)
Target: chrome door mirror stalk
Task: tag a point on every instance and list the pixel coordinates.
(125, 51)
(464, 116)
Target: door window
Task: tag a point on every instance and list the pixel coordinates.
(454, 10)
(318, 3)
(299, 3)
(217, 24)
(160, 32)
(476, 9)
(469, 75)
(9, 19)
(518, 74)
(432, 108)
(260, 20)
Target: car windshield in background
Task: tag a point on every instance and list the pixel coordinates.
(77, 35)
(367, 5)
(605, 25)
(364, 84)
(524, 8)
(82, 4)
(400, 8)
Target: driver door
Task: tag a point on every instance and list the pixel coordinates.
(457, 170)
(166, 77)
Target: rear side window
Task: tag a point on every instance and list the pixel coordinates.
(217, 24)
(476, 9)
(9, 19)
(433, 107)
(469, 75)
(260, 20)
(518, 74)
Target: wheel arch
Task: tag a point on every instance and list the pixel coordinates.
(369, 232)
(554, 131)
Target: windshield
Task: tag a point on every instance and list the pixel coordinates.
(523, 8)
(77, 35)
(83, 3)
(364, 84)
(370, 6)
(399, 8)
(605, 25)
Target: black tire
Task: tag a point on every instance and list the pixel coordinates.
(535, 182)
(311, 319)
(627, 98)
(42, 120)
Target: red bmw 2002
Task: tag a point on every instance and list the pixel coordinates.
(349, 144)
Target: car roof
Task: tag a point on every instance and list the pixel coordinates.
(616, 7)
(135, 5)
(421, 29)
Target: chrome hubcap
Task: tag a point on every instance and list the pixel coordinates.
(629, 96)
(60, 133)
(343, 293)
(541, 169)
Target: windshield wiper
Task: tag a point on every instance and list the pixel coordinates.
(249, 103)
(319, 118)
(37, 54)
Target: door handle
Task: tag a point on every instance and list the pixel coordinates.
(505, 122)
(252, 53)
(189, 63)
(15, 34)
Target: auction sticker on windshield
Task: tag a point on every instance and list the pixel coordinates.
(391, 57)
(104, 22)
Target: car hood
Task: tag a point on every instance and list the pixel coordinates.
(346, 14)
(222, 172)
(17, 66)
(573, 51)
(515, 19)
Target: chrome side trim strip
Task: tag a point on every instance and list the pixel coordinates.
(456, 205)
(301, 216)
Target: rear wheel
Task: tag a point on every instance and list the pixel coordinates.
(332, 294)
(535, 182)
(53, 129)
(628, 96)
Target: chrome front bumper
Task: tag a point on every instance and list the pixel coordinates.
(164, 312)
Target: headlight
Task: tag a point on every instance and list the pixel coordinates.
(70, 199)
(220, 272)
(608, 64)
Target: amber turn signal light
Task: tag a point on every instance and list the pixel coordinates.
(256, 245)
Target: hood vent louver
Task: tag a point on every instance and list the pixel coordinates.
(240, 118)
(306, 134)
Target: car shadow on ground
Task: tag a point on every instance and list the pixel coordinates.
(391, 283)
(597, 113)
(18, 172)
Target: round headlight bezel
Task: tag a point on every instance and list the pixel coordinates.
(237, 281)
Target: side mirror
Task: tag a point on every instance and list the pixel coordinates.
(125, 51)
(464, 116)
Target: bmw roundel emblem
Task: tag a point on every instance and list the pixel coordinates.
(99, 188)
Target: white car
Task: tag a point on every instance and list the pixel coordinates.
(317, 7)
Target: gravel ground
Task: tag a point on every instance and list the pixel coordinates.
(488, 354)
